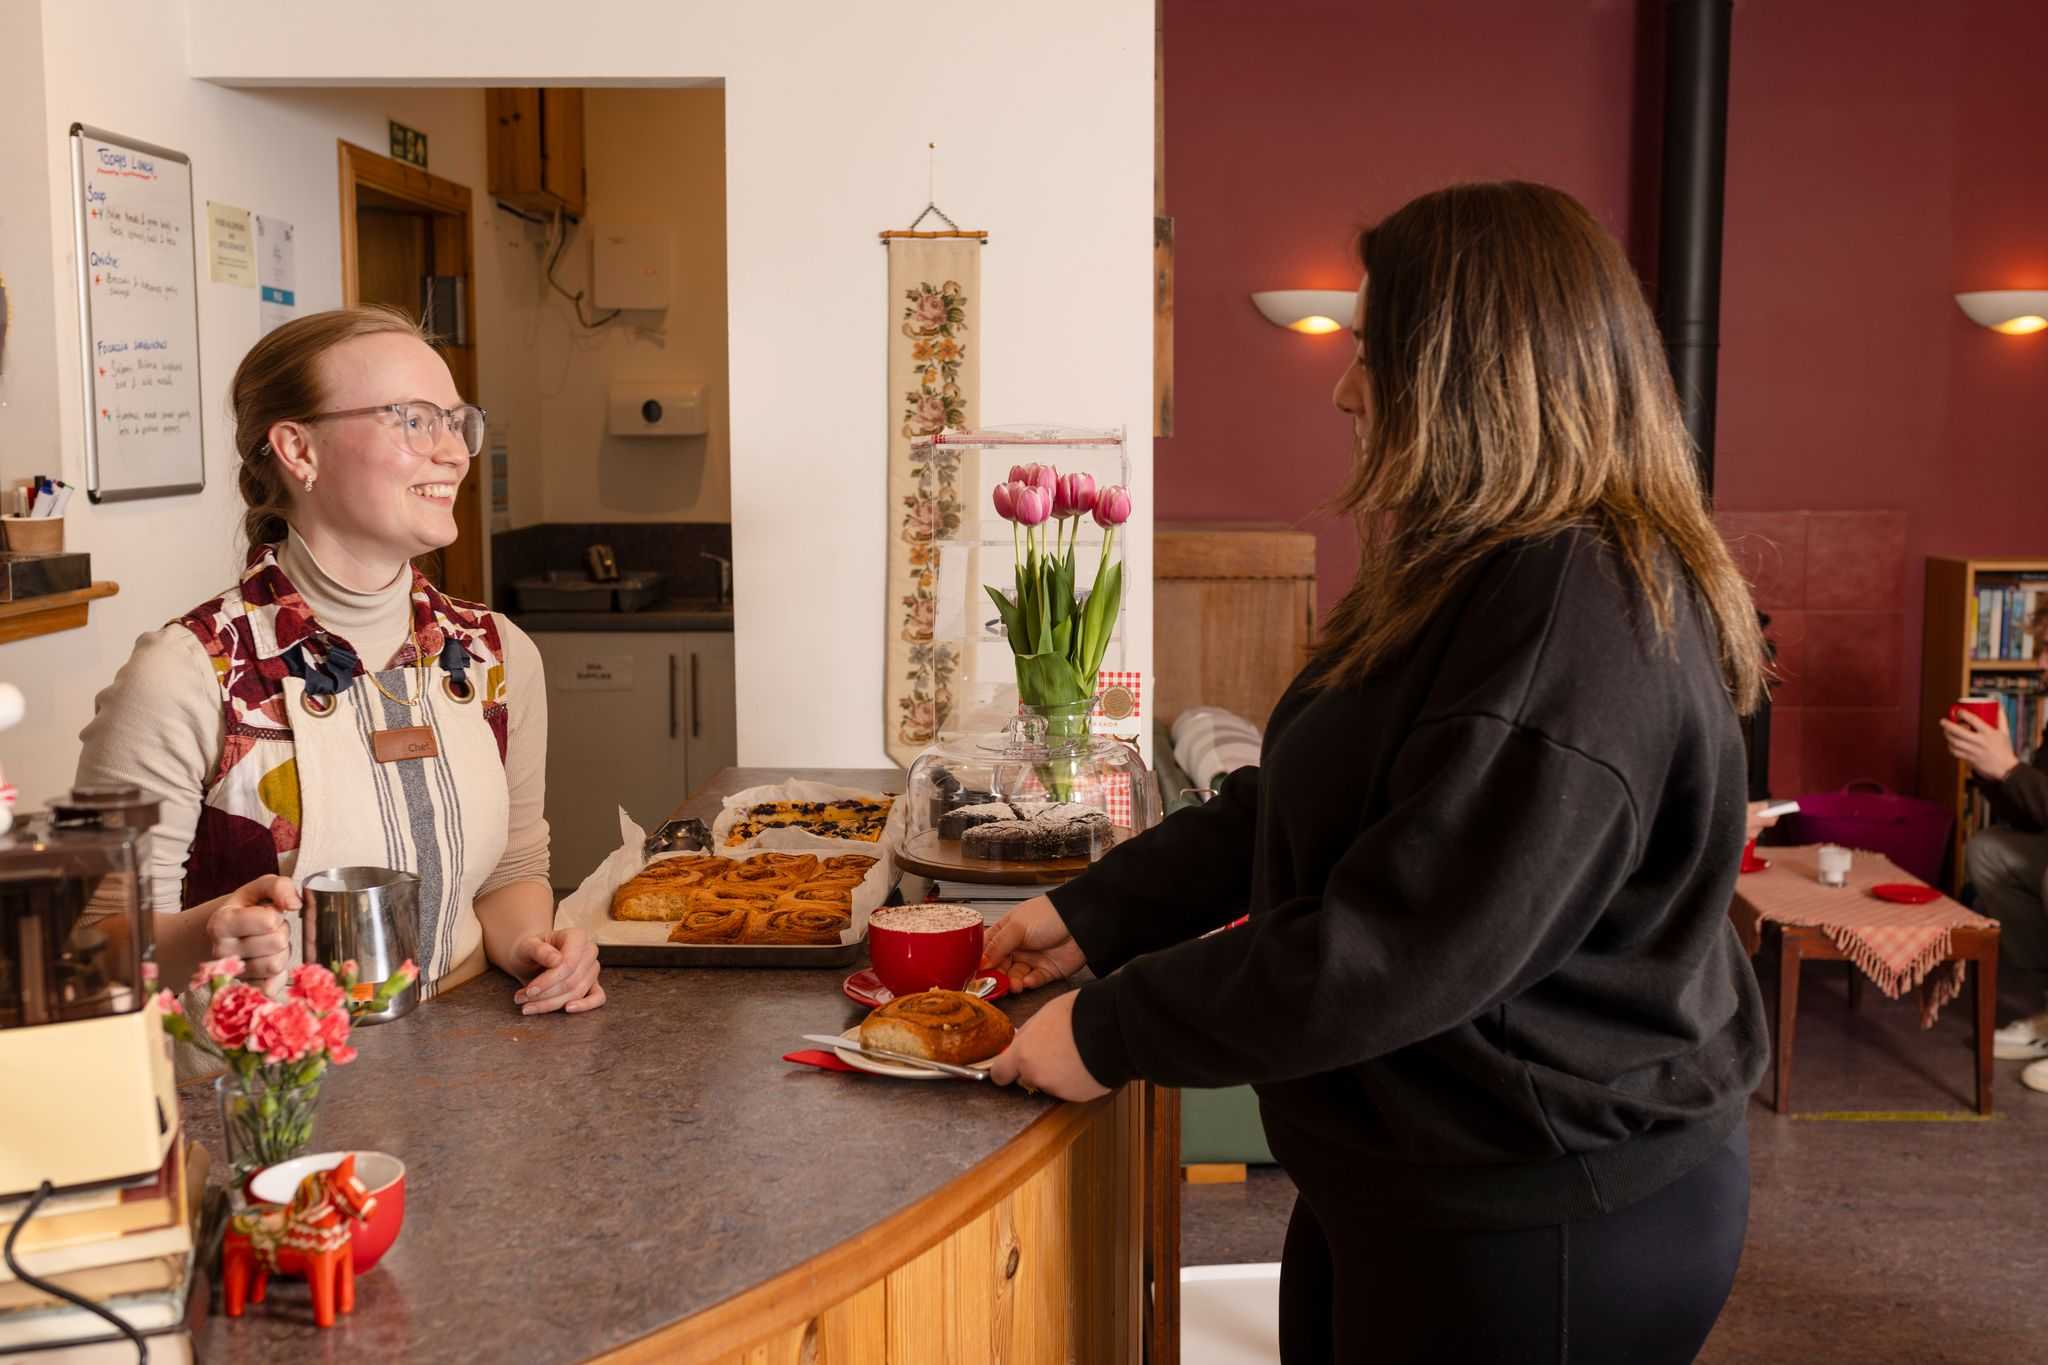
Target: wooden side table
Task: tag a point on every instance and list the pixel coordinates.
(1793, 944)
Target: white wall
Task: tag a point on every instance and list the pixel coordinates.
(29, 440)
(1043, 116)
(656, 157)
(120, 66)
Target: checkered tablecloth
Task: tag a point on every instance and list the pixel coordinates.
(1896, 946)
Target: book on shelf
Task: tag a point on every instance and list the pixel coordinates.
(147, 1276)
(1999, 617)
(170, 1237)
(164, 1348)
(66, 1219)
(65, 1323)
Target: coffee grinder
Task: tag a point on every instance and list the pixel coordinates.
(87, 1083)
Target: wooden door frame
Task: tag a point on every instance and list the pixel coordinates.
(451, 205)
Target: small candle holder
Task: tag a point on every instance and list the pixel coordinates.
(1834, 865)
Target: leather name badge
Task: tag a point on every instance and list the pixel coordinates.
(410, 741)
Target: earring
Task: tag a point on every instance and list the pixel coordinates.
(309, 483)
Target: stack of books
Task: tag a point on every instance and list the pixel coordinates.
(128, 1248)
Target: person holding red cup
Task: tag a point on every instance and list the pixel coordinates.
(2007, 861)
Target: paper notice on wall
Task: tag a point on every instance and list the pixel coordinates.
(229, 257)
(500, 446)
(277, 272)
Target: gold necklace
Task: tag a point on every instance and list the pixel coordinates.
(412, 635)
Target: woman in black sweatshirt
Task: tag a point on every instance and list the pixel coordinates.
(1501, 1030)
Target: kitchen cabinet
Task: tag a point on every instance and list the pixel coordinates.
(535, 143)
(639, 719)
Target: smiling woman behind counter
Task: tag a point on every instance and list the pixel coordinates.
(278, 754)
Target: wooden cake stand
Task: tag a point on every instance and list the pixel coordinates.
(927, 855)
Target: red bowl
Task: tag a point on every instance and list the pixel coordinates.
(382, 1174)
(910, 962)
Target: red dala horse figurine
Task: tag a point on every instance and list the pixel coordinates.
(308, 1239)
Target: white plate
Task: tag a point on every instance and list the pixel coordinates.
(904, 1071)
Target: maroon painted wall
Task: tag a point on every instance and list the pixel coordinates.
(1882, 156)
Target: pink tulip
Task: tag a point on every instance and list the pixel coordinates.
(1047, 478)
(1034, 504)
(1076, 496)
(1113, 506)
(1006, 504)
(1018, 474)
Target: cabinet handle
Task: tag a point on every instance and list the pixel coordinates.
(671, 696)
(696, 709)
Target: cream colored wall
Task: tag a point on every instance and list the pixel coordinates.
(655, 157)
(29, 422)
(120, 66)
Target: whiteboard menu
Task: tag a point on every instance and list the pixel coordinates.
(138, 316)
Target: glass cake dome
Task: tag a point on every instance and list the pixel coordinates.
(1035, 803)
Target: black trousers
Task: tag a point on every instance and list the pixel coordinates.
(1641, 1286)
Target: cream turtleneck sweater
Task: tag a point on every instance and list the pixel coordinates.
(159, 725)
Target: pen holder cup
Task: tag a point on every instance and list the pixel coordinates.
(33, 535)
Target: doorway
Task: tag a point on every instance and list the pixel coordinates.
(405, 243)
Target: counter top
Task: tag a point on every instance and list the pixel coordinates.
(676, 614)
(577, 1182)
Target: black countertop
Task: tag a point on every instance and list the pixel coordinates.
(676, 614)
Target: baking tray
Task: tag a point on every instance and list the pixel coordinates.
(738, 955)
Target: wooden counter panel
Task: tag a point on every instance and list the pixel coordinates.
(1046, 1271)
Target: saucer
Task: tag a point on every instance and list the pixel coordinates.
(865, 988)
(1906, 893)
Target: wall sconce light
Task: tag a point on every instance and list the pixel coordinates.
(2014, 312)
(1314, 311)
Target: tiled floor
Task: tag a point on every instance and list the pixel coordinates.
(1870, 1240)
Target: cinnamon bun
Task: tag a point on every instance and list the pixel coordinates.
(718, 924)
(811, 926)
(940, 1026)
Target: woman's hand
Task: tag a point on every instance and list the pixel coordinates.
(249, 924)
(1987, 751)
(1043, 1055)
(1032, 947)
(1757, 822)
(560, 970)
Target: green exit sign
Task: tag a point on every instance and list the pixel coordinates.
(408, 144)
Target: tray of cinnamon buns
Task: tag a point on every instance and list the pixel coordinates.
(797, 900)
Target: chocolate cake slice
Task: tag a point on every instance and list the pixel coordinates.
(957, 821)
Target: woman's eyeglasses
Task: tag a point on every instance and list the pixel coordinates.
(421, 423)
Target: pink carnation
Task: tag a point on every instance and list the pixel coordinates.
(149, 973)
(168, 1003)
(315, 985)
(225, 966)
(232, 1014)
(334, 1031)
(285, 1031)
(408, 969)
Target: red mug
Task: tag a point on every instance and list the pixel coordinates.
(1983, 708)
(924, 953)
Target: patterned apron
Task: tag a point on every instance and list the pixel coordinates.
(299, 788)
(441, 818)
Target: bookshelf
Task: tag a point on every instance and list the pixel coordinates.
(1952, 664)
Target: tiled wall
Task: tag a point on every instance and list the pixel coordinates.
(1834, 585)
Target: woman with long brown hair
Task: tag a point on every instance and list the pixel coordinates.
(1502, 1032)
(333, 707)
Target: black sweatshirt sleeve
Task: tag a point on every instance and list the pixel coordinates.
(1497, 853)
(2021, 799)
(1183, 877)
